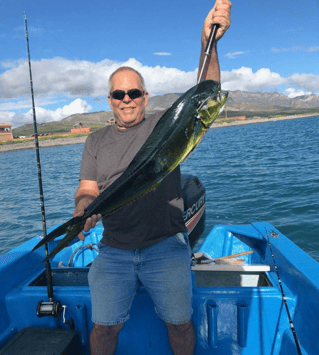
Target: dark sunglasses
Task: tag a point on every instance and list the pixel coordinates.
(120, 94)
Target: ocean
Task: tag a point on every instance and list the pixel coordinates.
(252, 173)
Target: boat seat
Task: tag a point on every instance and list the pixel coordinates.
(42, 341)
(231, 267)
(231, 275)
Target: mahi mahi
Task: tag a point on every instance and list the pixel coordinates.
(175, 136)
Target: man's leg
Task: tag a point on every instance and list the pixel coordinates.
(182, 338)
(103, 339)
(166, 274)
(113, 285)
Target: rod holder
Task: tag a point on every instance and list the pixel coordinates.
(80, 313)
(242, 322)
(212, 325)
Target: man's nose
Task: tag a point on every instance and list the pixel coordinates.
(126, 98)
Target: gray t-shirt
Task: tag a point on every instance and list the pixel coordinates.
(152, 217)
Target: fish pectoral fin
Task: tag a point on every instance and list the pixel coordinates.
(196, 129)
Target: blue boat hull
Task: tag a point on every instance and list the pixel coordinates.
(237, 309)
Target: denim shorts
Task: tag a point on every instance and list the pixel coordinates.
(164, 269)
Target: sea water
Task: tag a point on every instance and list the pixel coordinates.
(252, 173)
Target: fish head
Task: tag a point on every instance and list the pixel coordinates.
(210, 101)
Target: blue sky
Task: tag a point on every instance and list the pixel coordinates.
(75, 45)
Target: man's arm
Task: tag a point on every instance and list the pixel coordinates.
(86, 193)
(219, 14)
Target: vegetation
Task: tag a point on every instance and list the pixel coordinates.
(71, 135)
(51, 128)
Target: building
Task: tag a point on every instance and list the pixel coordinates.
(5, 132)
(78, 128)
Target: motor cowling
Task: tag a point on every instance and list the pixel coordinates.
(193, 193)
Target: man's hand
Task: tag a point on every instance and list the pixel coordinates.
(90, 222)
(219, 14)
(86, 193)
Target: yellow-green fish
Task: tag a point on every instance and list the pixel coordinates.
(176, 135)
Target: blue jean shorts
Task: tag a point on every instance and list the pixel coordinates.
(164, 269)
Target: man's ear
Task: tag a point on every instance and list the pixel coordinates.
(110, 102)
(145, 98)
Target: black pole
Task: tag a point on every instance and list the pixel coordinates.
(292, 328)
(47, 265)
(208, 48)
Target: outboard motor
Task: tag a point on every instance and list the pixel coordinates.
(193, 193)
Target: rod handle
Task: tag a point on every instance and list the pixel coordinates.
(211, 38)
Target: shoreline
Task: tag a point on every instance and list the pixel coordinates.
(260, 120)
(42, 144)
(67, 141)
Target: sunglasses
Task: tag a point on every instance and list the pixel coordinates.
(120, 94)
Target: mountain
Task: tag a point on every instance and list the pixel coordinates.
(162, 102)
(239, 103)
(258, 101)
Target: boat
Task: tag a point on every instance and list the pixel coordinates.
(263, 302)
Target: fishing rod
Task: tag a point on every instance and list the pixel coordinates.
(44, 227)
(51, 308)
(284, 296)
(208, 48)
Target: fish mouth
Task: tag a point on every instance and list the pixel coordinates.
(211, 107)
(213, 100)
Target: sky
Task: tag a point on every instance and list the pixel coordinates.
(271, 46)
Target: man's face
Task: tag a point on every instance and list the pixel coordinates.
(127, 112)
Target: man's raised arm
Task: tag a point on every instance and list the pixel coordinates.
(219, 14)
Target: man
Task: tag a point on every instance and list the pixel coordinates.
(135, 236)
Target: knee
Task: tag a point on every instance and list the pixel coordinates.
(180, 330)
(107, 331)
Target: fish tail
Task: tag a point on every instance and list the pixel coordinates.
(73, 231)
(63, 229)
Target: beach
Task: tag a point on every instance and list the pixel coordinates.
(42, 143)
(66, 141)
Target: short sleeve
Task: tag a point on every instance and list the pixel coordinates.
(88, 166)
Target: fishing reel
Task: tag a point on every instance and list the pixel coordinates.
(53, 309)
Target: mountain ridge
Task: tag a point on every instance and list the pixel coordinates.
(239, 103)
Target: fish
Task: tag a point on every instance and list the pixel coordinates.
(173, 139)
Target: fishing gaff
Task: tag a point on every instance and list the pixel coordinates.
(208, 48)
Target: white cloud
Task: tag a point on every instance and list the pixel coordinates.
(162, 53)
(44, 115)
(25, 104)
(7, 117)
(306, 81)
(246, 80)
(295, 93)
(81, 78)
(57, 79)
(10, 64)
(233, 55)
(296, 49)
(264, 79)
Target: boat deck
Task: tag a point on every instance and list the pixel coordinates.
(237, 309)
